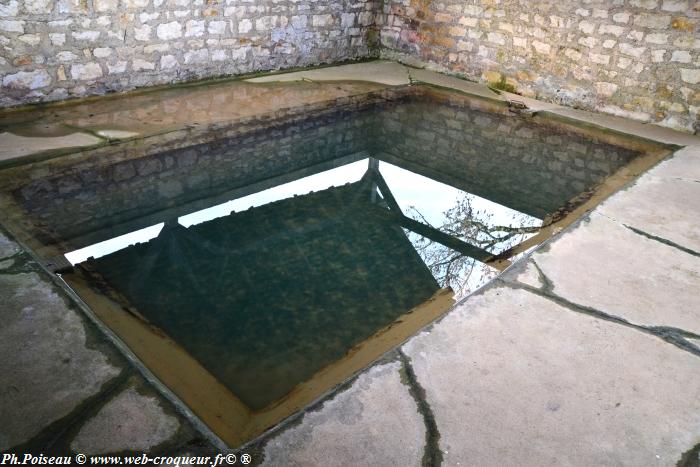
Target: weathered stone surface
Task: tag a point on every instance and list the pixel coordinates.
(7, 247)
(9, 9)
(105, 5)
(86, 72)
(141, 33)
(38, 7)
(638, 207)
(604, 265)
(685, 163)
(171, 30)
(130, 421)
(513, 378)
(353, 428)
(12, 146)
(691, 76)
(513, 36)
(27, 80)
(194, 28)
(51, 371)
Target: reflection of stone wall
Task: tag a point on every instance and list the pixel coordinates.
(636, 58)
(515, 161)
(56, 49)
(531, 167)
(94, 198)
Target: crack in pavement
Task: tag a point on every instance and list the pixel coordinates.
(20, 265)
(432, 455)
(669, 334)
(56, 437)
(690, 458)
(662, 240)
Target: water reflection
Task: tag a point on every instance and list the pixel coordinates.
(269, 254)
(434, 205)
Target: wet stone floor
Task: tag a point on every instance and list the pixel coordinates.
(66, 389)
(326, 230)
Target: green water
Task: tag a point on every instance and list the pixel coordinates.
(267, 295)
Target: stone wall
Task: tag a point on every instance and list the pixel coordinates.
(57, 49)
(529, 164)
(94, 202)
(634, 58)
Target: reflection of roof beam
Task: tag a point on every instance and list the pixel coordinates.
(147, 220)
(432, 233)
(460, 183)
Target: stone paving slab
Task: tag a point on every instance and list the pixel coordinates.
(660, 207)
(516, 379)
(13, 146)
(64, 387)
(377, 71)
(617, 271)
(684, 164)
(129, 422)
(51, 371)
(374, 422)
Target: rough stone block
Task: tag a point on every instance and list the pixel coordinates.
(88, 71)
(38, 7)
(168, 31)
(105, 5)
(167, 62)
(194, 28)
(629, 49)
(652, 21)
(9, 9)
(217, 27)
(11, 26)
(690, 76)
(143, 33)
(27, 80)
(682, 56)
(88, 36)
(140, 65)
(245, 26)
(656, 38)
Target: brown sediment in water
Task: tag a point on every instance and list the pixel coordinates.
(216, 405)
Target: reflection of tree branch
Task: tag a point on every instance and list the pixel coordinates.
(412, 209)
(454, 269)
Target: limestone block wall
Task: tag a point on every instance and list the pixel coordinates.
(57, 49)
(635, 58)
(532, 165)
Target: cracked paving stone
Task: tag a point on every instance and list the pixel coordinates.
(129, 422)
(374, 422)
(7, 247)
(661, 207)
(47, 370)
(685, 163)
(606, 266)
(515, 379)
